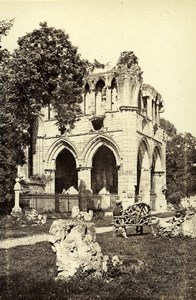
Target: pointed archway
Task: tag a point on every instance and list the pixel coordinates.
(104, 171)
(66, 172)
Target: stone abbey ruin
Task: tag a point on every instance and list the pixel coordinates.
(116, 148)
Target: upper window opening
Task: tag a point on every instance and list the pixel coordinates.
(144, 102)
(99, 86)
(114, 95)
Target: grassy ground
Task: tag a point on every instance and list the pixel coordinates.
(170, 270)
(10, 229)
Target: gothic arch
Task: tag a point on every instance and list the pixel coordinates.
(93, 146)
(55, 149)
(98, 80)
(143, 150)
(157, 161)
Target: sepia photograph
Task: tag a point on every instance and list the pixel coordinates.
(97, 150)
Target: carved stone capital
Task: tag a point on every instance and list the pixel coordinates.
(83, 168)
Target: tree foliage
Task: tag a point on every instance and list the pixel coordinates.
(180, 161)
(47, 70)
(10, 149)
(44, 70)
(5, 26)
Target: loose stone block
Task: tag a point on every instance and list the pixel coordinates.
(74, 242)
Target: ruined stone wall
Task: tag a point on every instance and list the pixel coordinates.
(134, 119)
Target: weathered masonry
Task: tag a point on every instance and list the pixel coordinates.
(116, 145)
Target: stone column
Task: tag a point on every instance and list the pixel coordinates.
(84, 185)
(149, 107)
(160, 199)
(50, 185)
(17, 188)
(153, 110)
(108, 100)
(84, 174)
(145, 185)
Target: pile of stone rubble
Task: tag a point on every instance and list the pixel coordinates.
(28, 217)
(32, 216)
(183, 223)
(81, 215)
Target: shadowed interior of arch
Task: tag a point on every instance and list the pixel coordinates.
(104, 171)
(66, 173)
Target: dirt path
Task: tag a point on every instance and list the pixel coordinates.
(30, 240)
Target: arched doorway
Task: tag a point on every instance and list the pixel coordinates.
(104, 171)
(66, 173)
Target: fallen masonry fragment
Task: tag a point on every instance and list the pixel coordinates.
(74, 242)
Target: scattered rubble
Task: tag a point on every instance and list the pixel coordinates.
(28, 217)
(81, 215)
(183, 223)
(33, 216)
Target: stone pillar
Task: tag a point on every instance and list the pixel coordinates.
(92, 108)
(160, 196)
(84, 186)
(108, 99)
(149, 107)
(145, 185)
(153, 110)
(84, 174)
(50, 185)
(158, 115)
(17, 188)
(87, 103)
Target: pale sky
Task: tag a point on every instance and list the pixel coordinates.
(162, 34)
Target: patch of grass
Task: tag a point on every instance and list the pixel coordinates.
(16, 230)
(20, 231)
(103, 222)
(170, 270)
(9, 228)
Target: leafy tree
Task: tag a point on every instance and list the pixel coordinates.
(10, 147)
(5, 26)
(169, 128)
(45, 70)
(180, 162)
